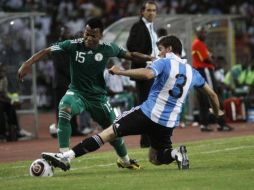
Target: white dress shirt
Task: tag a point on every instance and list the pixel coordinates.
(154, 37)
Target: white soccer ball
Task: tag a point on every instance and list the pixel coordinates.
(53, 130)
(41, 168)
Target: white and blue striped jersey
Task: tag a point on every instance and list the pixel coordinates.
(174, 79)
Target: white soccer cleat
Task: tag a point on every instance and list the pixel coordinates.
(182, 158)
(57, 160)
(87, 131)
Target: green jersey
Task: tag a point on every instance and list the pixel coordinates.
(87, 66)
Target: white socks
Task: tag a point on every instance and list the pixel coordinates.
(69, 154)
(126, 159)
(174, 152)
(64, 149)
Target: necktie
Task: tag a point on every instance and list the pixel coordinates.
(153, 40)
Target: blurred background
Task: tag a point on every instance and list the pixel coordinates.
(27, 26)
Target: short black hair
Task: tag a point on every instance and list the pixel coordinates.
(172, 41)
(95, 23)
(161, 32)
(148, 2)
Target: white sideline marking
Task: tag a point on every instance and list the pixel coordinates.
(15, 177)
(110, 164)
(100, 165)
(24, 166)
(87, 167)
(227, 149)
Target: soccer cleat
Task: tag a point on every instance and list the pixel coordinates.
(182, 158)
(225, 128)
(87, 131)
(57, 160)
(204, 128)
(133, 165)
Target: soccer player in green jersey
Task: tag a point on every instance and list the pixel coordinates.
(87, 90)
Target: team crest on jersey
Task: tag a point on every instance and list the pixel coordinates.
(98, 57)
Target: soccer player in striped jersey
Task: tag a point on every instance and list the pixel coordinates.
(159, 114)
(87, 90)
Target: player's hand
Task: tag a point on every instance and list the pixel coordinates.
(154, 58)
(114, 70)
(23, 70)
(220, 112)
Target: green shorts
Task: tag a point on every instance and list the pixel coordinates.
(101, 111)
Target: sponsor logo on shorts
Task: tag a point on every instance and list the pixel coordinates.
(116, 125)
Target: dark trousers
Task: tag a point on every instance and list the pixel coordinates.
(204, 105)
(143, 89)
(9, 125)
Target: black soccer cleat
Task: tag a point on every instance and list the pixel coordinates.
(57, 160)
(182, 158)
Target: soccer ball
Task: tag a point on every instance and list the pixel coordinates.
(41, 168)
(53, 130)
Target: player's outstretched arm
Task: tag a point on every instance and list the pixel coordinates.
(214, 101)
(136, 56)
(25, 67)
(141, 73)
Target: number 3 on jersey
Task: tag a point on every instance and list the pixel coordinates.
(177, 90)
(80, 57)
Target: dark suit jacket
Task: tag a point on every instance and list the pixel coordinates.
(139, 40)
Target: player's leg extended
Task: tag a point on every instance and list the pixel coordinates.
(104, 115)
(105, 118)
(69, 106)
(90, 144)
(93, 143)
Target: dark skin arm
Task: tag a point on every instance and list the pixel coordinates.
(135, 56)
(209, 60)
(25, 67)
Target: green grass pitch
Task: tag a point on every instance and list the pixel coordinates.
(214, 164)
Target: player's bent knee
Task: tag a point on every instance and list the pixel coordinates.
(154, 161)
(153, 157)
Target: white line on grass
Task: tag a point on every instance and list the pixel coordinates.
(111, 164)
(227, 149)
(99, 165)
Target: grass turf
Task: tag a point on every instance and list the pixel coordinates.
(214, 164)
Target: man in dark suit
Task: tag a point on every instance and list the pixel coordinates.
(142, 38)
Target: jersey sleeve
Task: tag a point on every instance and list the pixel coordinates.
(61, 46)
(116, 51)
(198, 80)
(157, 66)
